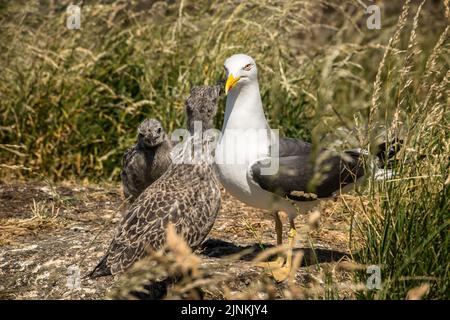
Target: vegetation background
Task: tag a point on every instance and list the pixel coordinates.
(70, 100)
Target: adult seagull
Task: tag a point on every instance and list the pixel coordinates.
(245, 153)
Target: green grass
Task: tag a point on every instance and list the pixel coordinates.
(70, 100)
(408, 220)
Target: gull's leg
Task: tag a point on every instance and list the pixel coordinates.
(282, 273)
(291, 235)
(278, 263)
(278, 228)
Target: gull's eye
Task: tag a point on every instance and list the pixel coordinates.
(225, 68)
(247, 67)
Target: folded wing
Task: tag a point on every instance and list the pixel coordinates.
(305, 176)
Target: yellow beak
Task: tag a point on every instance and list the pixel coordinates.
(231, 81)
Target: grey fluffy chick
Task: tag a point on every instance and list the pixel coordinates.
(147, 160)
(186, 195)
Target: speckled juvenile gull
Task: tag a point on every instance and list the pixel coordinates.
(147, 160)
(186, 195)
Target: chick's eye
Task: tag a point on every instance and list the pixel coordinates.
(247, 67)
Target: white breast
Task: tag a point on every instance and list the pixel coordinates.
(235, 152)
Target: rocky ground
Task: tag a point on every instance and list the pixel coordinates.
(49, 234)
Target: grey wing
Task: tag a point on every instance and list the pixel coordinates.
(298, 178)
(293, 147)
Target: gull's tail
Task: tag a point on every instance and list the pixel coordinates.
(101, 270)
(387, 152)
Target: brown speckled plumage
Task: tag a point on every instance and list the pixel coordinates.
(186, 195)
